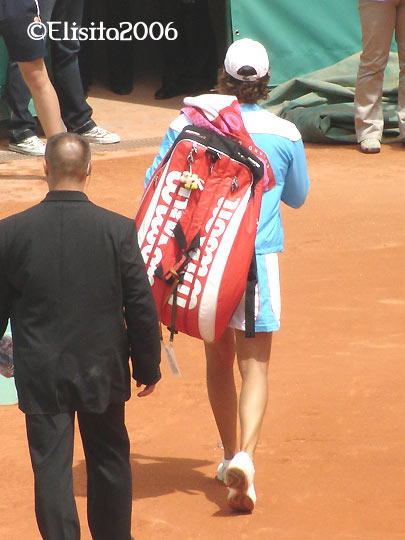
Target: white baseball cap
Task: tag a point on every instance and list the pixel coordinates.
(246, 60)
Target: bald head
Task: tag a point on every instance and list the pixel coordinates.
(67, 159)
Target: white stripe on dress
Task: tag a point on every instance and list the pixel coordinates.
(273, 280)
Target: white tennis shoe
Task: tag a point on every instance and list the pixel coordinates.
(239, 478)
(370, 146)
(240, 501)
(221, 470)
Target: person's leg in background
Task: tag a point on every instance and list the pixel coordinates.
(50, 439)
(76, 112)
(85, 56)
(400, 37)
(201, 51)
(22, 124)
(190, 61)
(121, 52)
(172, 51)
(43, 94)
(377, 25)
(109, 478)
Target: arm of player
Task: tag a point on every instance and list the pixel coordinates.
(165, 146)
(296, 180)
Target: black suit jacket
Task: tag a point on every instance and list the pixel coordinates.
(74, 284)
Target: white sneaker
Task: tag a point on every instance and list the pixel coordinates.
(101, 136)
(370, 146)
(239, 478)
(241, 501)
(31, 146)
(221, 471)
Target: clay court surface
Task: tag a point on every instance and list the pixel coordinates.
(331, 460)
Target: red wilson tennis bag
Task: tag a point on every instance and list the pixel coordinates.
(197, 225)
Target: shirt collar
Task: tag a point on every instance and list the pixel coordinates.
(249, 107)
(62, 195)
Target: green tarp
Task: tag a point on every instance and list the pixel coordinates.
(321, 103)
(314, 50)
(300, 37)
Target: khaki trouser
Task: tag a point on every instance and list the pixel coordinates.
(378, 22)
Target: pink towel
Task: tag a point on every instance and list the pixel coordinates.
(223, 114)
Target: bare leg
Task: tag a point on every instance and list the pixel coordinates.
(44, 96)
(253, 360)
(221, 389)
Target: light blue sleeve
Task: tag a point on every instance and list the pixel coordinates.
(165, 146)
(296, 183)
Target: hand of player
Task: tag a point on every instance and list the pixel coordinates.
(147, 390)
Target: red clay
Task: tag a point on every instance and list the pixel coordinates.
(330, 462)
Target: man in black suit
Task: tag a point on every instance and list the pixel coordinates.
(73, 283)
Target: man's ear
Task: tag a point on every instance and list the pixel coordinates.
(89, 168)
(45, 166)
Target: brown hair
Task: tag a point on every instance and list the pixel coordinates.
(245, 91)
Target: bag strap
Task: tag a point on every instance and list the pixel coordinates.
(250, 298)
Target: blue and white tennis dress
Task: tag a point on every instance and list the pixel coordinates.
(282, 143)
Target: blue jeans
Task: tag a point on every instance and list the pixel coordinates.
(76, 113)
